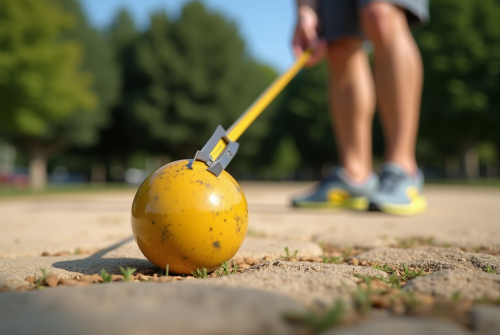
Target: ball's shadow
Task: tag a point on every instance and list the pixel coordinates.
(95, 262)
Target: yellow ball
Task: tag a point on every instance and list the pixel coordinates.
(188, 218)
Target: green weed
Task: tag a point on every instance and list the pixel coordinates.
(411, 274)
(39, 281)
(127, 273)
(332, 260)
(288, 256)
(347, 252)
(456, 296)
(166, 270)
(386, 268)
(406, 243)
(200, 273)
(318, 322)
(106, 277)
(395, 281)
(490, 270)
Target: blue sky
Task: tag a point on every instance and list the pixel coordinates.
(266, 25)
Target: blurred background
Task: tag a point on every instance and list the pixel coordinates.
(104, 92)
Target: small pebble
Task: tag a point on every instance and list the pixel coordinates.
(68, 282)
(51, 280)
(4, 288)
(244, 266)
(30, 279)
(267, 258)
(95, 278)
(117, 278)
(249, 260)
(293, 259)
(355, 262)
(22, 288)
(166, 279)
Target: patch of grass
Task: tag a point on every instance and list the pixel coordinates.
(322, 244)
(411, 242)
(368, 279)
(318, 322)
(225, 269)
(39, 281)
(347, 252)
(411, 274)
(395, 281)
(288, 256)
(166, 270)
(200, 273)
(406, 243)
(106, 277)
(361, 299)
(127, 273)
(332, 260)
(256, 233)
(490, 270)
(386, 268)
(456, 296)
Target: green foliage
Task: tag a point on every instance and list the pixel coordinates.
(225, 269)
(456, 296)
(347, 252)
(385, 268)
(200, 273)
(288, 256)
(39, 280)
(127, 273)
(407, 275)
(490, 270)
(106, 277)
(41, 84)
(318, 322)
(180, 83)
(462, 73)
(332, 260)
(166, 269)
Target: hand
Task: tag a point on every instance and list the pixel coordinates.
(306, 35)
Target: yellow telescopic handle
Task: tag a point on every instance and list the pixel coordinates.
(249, 116)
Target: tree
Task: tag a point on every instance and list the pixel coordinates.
(182, 82)
(98, 59)
(41, 83)
(462, 74)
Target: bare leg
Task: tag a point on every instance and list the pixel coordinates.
(352, 104)
(398, 79)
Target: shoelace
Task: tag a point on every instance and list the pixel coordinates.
(389, 181)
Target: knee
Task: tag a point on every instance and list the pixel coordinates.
(379, 21)
(339, 52)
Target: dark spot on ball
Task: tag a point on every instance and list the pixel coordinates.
(216, 244)
(211, 229)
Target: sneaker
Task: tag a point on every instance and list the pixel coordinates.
(399, 193)
(338, 192)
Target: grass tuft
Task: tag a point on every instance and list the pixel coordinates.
(289, 256)
(200, 273)
(106, 277)
(127, 273)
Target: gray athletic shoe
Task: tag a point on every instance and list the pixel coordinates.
(338, 192)
(399, 193)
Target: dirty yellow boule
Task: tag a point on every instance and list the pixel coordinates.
(186, 217)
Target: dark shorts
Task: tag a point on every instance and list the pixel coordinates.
(340, 18)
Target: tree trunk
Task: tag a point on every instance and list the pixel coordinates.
(452, 165)
(471, 159)
(38, 170)
(98, 173)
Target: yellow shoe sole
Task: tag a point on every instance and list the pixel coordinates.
(418, 205)
(358, 203)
